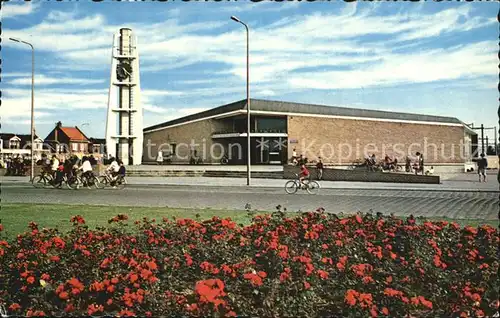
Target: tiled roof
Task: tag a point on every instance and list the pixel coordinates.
(288, 107)
(74, 134)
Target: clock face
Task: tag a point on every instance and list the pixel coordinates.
(123, 71)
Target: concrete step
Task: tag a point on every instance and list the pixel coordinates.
(210, 173)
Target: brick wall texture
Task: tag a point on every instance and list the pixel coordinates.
(198, 133)
(341, 141)
(337, 141)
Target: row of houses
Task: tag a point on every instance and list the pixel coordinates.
(61, 140)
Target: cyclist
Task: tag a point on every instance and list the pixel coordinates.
(86, 167)
(54, 166)
(120, 175)
(113, 167)
(304, 173)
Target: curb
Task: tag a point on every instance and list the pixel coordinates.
(159, 186)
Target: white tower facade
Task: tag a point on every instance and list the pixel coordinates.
(124, 136)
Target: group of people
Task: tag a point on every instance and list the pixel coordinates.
(15, 166)
(72, 165)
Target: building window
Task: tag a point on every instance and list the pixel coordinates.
(173, 148)
(14, 144)
(82, 147)
(271, 124)
(74, 147)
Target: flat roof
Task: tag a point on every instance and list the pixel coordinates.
(299, 108)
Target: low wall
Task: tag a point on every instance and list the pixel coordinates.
(362, 176)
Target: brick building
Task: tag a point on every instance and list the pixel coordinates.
(339, 135)
(67, 140)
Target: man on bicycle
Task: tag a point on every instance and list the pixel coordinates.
(120, 175)
(304, 173)
(113, 167)
(87, 169)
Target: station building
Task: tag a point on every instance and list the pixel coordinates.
(338, 135)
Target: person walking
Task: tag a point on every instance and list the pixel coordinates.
(482, 164)
(319, 168)
(159, 159)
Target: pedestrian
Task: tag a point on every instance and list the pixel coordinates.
(482, 164)
(159, 158)
(319, 168)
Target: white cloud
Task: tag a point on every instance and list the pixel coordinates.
(155, 93)
(17, 102)
(266, 92)
(15, 74)
(470, 61)
(44, 80)
(10, 10)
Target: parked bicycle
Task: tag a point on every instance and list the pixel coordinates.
(311, 186)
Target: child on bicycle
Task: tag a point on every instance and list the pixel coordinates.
(304, 173)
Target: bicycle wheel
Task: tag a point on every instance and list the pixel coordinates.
(39, 182)
(313, 187)
(291, 187)
(120, 183)
(103, 181)
(97, 183)
(74, 182)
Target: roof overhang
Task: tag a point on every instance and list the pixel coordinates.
(236, 135)
(277, 113)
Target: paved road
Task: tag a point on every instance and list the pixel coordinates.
(462, 182)
(472, 205)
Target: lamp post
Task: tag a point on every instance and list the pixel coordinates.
(32, 103)
(248, 100)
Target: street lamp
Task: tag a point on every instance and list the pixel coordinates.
(248, 101)
(32, 103)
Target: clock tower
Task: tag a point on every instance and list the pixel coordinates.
(124, 136)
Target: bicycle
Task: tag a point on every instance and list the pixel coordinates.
(292, 186)
(107, 180)
(81, 180)
(43, 180)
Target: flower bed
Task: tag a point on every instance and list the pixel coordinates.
(312, 265)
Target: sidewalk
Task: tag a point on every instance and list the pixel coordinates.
(446, 185)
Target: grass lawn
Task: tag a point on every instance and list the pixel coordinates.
(15, 217)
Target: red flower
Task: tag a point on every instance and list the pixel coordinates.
(134, 278)
(59, 242)
(69, 308)
(425, 302)
(152, 265)
(145, 274)
(385, 311)
(114, 280)
(322, 274)
(359, 219)
(64, 295)
(126, 313)
(31, 280)
(14, 306)
(45, 277)
(211, 290)
(307, 285)
(256, 280)
(350, 297)
(231, 314)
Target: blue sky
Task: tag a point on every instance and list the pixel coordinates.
(429, 58)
